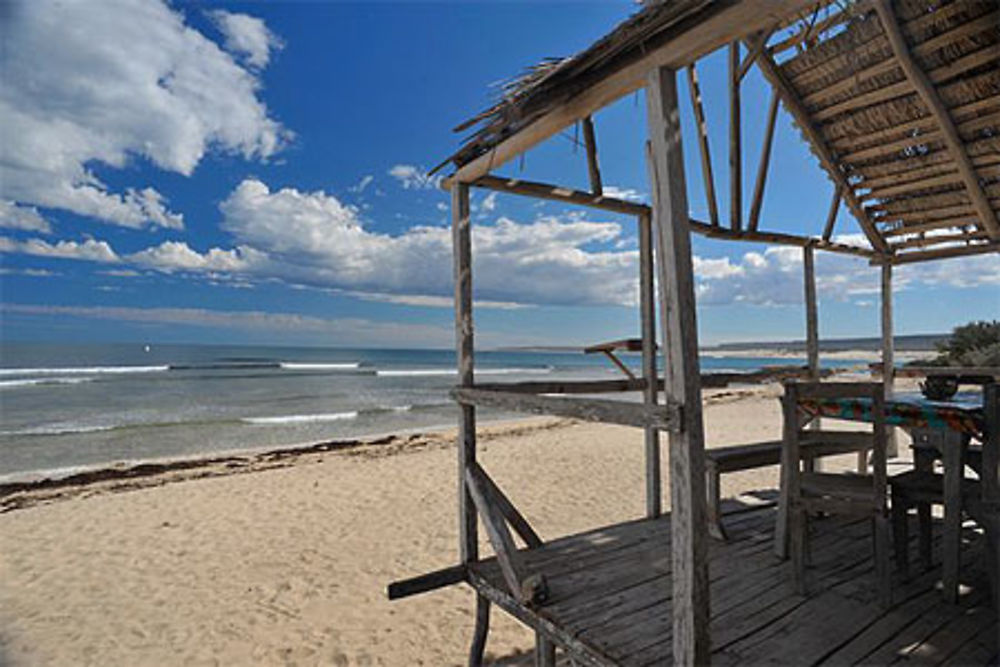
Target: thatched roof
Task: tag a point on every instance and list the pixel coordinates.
(867, 113)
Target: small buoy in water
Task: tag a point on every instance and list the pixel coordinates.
(146, 348)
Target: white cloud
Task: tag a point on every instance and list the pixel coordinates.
(287, 325)
(490, 203)
(172, 256)
(32, 273)
(27, 218)
(89, 250)
(362, 184)
(627, 194)
(246, 36)
(110, 83)
(414, 178)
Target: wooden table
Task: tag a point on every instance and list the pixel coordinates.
(945, 427)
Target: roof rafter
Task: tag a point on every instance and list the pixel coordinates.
(794, 106)
(925, 89)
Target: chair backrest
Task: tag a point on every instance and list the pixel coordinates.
(871, 408)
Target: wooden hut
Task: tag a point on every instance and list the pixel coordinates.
(899, 101)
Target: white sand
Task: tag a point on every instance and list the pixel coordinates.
(289, 565)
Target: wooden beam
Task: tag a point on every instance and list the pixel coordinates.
(938, 239)
(461, 227)
(425, 583)
(508, 510)
(712, 26)
(765, 160)
(735, 142)
(778, 238)
(618, 362)
(812, 318)
(757, 41)
(565, 386)
(929, 94)
(888, 350)
(939, 253)
(647, 311)
(703, 149)
(777, 80)
(499, 535)
(593, 409)
(688, 526)
(831, 216)
(593, 168)
(517, 186)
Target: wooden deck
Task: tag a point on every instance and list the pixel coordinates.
(610, 599)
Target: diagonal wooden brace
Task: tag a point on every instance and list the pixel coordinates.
(528, 589)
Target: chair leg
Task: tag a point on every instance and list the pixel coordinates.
(882, 570)
(478, 647)
(799, 535)
(924, 519)
(901, 534)
(715, 528)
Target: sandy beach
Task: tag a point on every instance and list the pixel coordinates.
(285, 560)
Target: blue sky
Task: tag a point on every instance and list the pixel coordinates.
(256, 172)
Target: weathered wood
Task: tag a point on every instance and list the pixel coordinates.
(779, 238)
(928, 93)
(765, 160)
(777, 80)
(942, 253)
(707, 178)
(715, 24)
(735, 141)
(497, 532)
(559, 193)
(545, 651)
(831, 216)
(647, 312)
(812, 318)
(427, 582)
(618, 362)
(593, 167)
(599, 410)
(689, 533)
(888, 347)
(508, 510)
(481, 631)
(565, 386)
(461, 227)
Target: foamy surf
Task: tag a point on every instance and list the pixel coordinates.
(290, 366)
(31, 382)
(299, 419)
(82, 370)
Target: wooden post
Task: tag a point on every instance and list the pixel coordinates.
(593, 167)
(649, 373)
(735, 161)
(689, 532)
(812, 319)
(812, 463)
(888, 349)
(468, 539)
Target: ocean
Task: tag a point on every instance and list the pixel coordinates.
(64, 408)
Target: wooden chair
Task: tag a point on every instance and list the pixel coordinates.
(841, 494)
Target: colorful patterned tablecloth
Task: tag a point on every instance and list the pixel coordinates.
(964, 412)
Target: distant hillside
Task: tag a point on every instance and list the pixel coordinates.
(913, 343)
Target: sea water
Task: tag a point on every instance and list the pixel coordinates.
(68, 407)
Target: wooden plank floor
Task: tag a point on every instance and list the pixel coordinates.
(610, 598)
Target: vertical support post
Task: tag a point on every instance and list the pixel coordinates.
(461, 229)
(888, 349)
(649, 373)
(593, 167)
(735, 160)
(689, 532)
(812, 318)
(706, 156)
